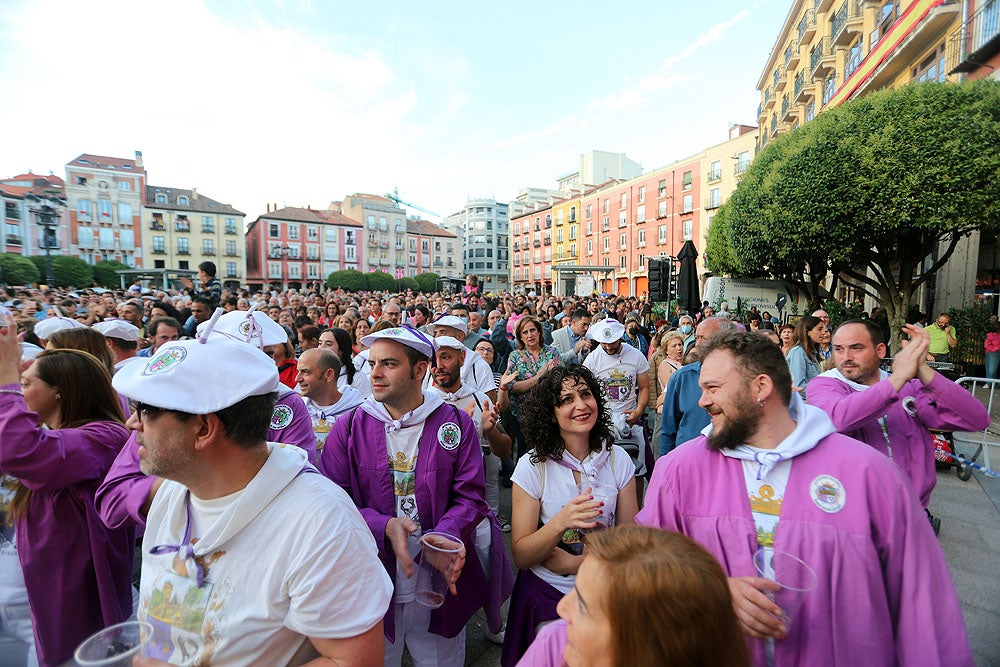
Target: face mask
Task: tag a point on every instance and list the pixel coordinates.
(685, 329)
(632, 331)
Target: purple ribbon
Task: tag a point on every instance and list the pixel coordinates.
(598, 463)
(185, 549)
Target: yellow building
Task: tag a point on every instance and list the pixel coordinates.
(829, 51)
(566, 214)
(182, 228)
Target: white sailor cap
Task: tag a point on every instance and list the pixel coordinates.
(606, 331)
(49, 326)
(452, 321)
(248, 326)
(118, 329)
(450, 341)
(405, 335)
(29, 351)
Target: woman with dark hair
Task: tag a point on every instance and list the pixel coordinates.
(644, 598)
(525, 366)
(331, 313)
(88, 340)
(284, 358)
(569, 432)
(338, 341)
(787, 335)
(805, 356)
(60, 429)
(163, 309)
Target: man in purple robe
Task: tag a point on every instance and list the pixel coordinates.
(770, 478)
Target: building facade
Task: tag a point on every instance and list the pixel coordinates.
(431, 249)
(104, 197)
(482, 229)
(183, 228)
(292, 247)
(20, 214)
(384, 232)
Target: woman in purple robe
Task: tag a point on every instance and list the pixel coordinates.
(61, 426)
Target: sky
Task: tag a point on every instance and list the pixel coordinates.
(299, 102)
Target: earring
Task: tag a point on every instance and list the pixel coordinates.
(760, 403)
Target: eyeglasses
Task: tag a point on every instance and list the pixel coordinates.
(145, 411)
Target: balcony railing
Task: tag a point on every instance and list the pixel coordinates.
(792, 56)
(14, 239)
(713, 202)
(981, 34)
(536, 243)
(714, 175)
(779, 80)
(157, 226)
(846, 23)
(807, 26)
(230, 230)
(821, 58)
(182, 227)
(159, 251)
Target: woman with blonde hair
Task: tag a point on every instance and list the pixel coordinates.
(61, 427)
(644, 598)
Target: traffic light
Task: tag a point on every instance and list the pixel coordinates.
(657, 272)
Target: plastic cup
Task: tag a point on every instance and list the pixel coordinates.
(602, 493)
(794, 576)
(115, 646)
(438, 552)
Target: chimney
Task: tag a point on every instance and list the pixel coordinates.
(138, 158)
(194, 193)
(268, 207)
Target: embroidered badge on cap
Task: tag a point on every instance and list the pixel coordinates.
(281, 417)
(607, 332)
(828, 493)
(449, 435)
(165, 361)
(244, 327)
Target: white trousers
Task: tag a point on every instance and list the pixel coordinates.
(412, 620)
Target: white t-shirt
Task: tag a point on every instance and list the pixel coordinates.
(12, 588)
(402, 449)
(555, 486)
(476, 373)
(618, 375)
(362, 383)
(287, 558)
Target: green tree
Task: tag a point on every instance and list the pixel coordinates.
(105, 274)
(17, 270)
(880, 190)
(380, 281)
(428, 282)
(71, 272)
(408, 284)
(348, 279)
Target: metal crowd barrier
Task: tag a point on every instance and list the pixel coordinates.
(988, 390)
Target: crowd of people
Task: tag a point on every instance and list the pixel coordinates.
(281, 462)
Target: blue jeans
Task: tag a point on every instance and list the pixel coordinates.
(992, 364)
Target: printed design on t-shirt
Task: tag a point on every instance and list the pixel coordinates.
(618, 385)
(188, 622)
(766, 507)
(321, 428)
(404, 485)
(8, 487)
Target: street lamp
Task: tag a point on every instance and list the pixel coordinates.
(48, 213)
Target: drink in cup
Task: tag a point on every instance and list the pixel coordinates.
(438, 553)
(115, 646)
(794, 576)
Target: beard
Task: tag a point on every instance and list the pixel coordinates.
(741, 423)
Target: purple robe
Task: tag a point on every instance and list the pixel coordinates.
(548, 647)
(78, 573)
(884, 595)
(451, 496)
(126, 488)
(915, 408)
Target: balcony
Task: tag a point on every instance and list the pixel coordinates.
(80, 216)
(230, 230)
(792, 56)
(982, 40)
(157, 226)
(789, 112)
(715, 174)
(807, 27)
(821, 59)
(182, 227)
(159, 251)
(372, 243)
(14, 239)
(384, 261)
(384, 245)
(846, 23)
(779, 80)
(769, 99)
(803, 90)
(823, 5)
(547, 242)
(536, 243)
(516, 246)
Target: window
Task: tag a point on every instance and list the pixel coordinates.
(159, 244)
(81, 180)
(642, 261)
(688, 226)
(661, 209)
(622, 219)
(607, 244)
(642, 238)
(272, 230)
(274, 270)
(572, 233)
(624, 201)
(829, 87)
(688, 203)
(161, 199)
(207, 224)
(181, 224)
(182, 201)
(661, 234)
(687, 180)
(590, 228)
(104, 210)
(207, 247)
(82, 209)
(85, 237)
(854, 56)
(810, 111)
(294, 271)
(559, 236)
(662, 189)
(623, 262)
(312, 233)
(293, 231)
(127, 239)
(714, 198)
(125, 186)
(715, 170)
(313, 271)
(572, 213)
(605, 206)
(125, 213)
(107, 238)
(590, 247)
(517, 227)
(351, 253)
(231, 270)
(642, 194)
(742, 161)
(183, 247)
(590, 211)
(230, 225)
(348, 237)
(933, 67)
(312, 251)
(622, 238)
(559, 217)
(640, 214)
(230, 248)
(607, 223)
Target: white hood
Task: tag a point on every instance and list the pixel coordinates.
(412, 418)
(837, 375)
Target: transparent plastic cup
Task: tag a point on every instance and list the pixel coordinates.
(115, 646)
(794, 576)
(604, 493)
(438, 552)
